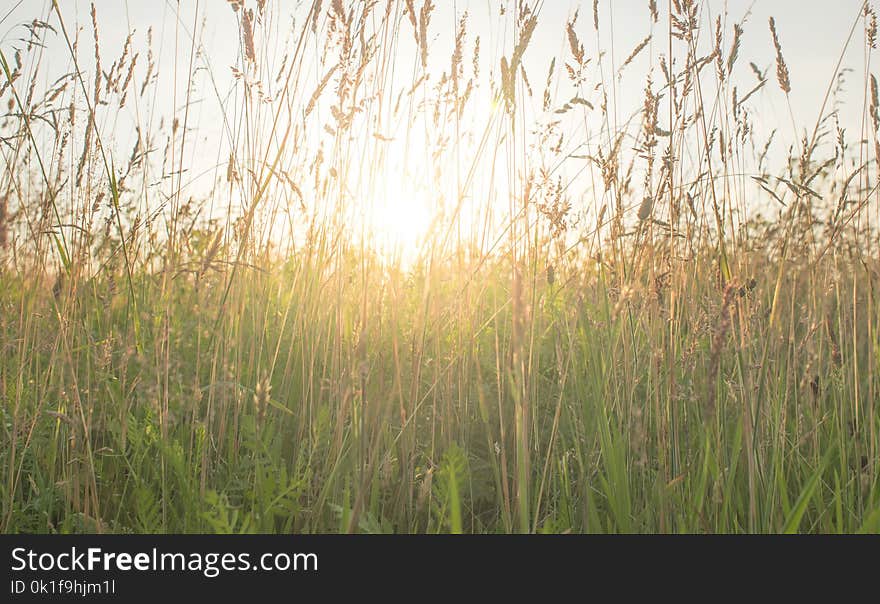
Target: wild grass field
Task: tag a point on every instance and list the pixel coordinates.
(388, 272)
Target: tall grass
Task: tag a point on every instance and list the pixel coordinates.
(690, 345)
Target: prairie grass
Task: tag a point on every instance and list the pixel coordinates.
(593, 324)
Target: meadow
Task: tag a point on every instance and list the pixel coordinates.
(425, 285)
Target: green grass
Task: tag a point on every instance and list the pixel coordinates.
(292, 415)
(675, 370)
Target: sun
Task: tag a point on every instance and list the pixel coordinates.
(400, 205)
(399, 225)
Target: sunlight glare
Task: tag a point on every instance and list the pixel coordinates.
(400, 225)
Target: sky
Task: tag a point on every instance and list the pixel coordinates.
(812, 33)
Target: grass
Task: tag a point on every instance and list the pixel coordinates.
(664, 359)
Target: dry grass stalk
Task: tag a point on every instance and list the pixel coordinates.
(782, 76)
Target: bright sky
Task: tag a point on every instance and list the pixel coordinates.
(812, 33)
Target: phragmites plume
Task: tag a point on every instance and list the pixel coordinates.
(655, 14)
(596, 14)
(317, 93)
(338, 10)
(525, 36)
(734, 47)
(639, 48)
(647, 150)
(875, 104)
(316, 12)
(781, 67)
(547, 97)
(150, 64)
(98, 70)
(476, 64)
(424, 21)
(127, 80)
(90, 125)
(420, 20)
(457, 53)
(576, 71)
(113, 76)
(509, 69)
(413, 18)
(247, 32)
(871, 28)
(577, 49)
(684, 19)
